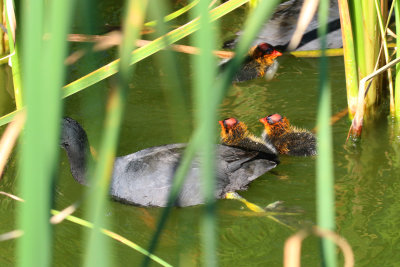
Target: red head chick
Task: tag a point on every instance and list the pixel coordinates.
(275, 125)
(265, 51)
(233, 131)
(288, 139)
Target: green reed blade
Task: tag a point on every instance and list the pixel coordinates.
(9, 117)
(350, 62)
(371, 46)
(386, 53)
(397, 84)
(9, 7)
(42, 77)
(205, 71)
(356, 15)
(97, 247)
(174, 14)
(325, 180)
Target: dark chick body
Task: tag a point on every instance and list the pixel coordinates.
(145, 177)
(288, 139)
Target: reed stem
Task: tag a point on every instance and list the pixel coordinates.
(350, 61)
(397, 83)
(14, 59)
(324, 167)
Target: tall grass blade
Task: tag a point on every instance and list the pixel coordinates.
(371, 46)
(382, 29)
(174, 15)
(324, 168)
(205, 70)
(11, 24)
(41, 137)
(397, 84)
(357, 24)
(97, 248)
(350, 62)
(9, 117)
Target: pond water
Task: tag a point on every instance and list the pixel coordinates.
(366, 176)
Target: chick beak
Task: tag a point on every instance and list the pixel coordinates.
(276, 54)
(222, 125)
(263, 120)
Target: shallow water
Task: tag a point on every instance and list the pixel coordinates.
(366, 176)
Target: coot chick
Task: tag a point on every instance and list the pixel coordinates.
(145, 177)
(234, 133)
(279, 30)
(288, 139)
(260, 62)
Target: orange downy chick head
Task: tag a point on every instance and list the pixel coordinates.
(275, 124)
(266, 51)
(232, 131)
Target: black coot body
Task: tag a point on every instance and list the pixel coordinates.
(145, 177)
(279, 30)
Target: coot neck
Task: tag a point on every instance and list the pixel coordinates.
(76, 144)
(78, 163)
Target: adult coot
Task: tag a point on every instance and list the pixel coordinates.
(288, 139)
(279, 30)
(145, 177)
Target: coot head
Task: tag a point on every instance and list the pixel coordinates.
(75, 142)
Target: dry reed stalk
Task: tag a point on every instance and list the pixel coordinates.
(292, 247)
(9, 138)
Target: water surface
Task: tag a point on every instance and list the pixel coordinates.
(366, 179)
